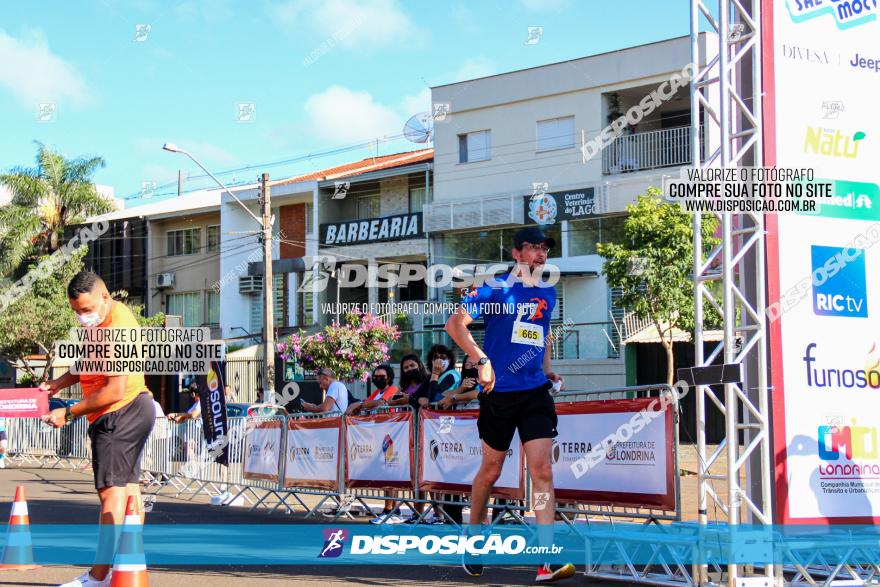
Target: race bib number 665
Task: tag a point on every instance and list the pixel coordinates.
(525, 333)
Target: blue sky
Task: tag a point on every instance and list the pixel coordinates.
(321, 74)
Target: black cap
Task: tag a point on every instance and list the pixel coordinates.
(533, 235)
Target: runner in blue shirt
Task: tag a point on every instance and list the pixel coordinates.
(515, 372)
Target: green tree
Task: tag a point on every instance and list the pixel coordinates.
(45, 199)
(654, 268)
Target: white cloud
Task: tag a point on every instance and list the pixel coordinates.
(341, 116)
(544, 5)
(31, 72)
(420, 102)
(351, 24)
(474, 68)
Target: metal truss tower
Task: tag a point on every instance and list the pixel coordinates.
(726, 131)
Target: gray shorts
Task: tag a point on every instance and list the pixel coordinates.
(118, 439)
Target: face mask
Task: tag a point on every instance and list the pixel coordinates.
(445, 363)
(90, 320)
(412, 375)
(380, 382)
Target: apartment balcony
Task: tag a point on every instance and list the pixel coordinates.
(641, 151)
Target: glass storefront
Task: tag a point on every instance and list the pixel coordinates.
(488, 246)
(584, 235)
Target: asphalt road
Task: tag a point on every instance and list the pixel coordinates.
(58, 496)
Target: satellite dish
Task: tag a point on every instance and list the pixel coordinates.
(419, 128)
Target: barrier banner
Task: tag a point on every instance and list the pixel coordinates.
(313, 453)
(23, 402)
(451, 453)
(212, 399)
(379, 450)
(636, 472)
(262, 452)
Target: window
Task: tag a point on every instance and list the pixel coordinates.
(556, 133)
(309, 223)
(186, 305)
(212, 307)
(490, 246)
(213, 238)
(416, 199)
(368, 206)
(184, 242)
(279, 298)
(474, 146)
(584, 235)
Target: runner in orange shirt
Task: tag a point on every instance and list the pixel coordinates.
(120, 413)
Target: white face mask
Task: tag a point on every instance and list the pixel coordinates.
(90, 320)
(445, 363)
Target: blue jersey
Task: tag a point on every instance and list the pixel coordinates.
(517, 319)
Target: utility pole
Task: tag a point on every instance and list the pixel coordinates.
(268, 302)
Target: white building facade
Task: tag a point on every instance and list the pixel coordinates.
(502, 139)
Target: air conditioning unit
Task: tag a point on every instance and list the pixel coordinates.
(252, 284)
(164, 280)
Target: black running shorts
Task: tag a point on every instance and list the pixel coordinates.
(532, 412)
(118, 439)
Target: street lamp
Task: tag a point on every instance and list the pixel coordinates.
(268, 302)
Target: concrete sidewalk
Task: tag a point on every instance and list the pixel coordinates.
(58, 496)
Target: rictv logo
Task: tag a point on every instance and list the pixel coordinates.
(839, 285)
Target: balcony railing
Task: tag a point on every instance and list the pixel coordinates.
(648, 150)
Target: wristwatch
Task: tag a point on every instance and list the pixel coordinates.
(483, 361)
(68, 415)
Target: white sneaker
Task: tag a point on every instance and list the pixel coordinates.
(86, 580)
(3, 463)
(387, 519)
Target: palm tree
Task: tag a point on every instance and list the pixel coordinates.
(45, 199)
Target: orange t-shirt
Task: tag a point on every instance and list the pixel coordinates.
(119, 317)
(386, 395)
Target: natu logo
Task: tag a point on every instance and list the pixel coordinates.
(830, 142)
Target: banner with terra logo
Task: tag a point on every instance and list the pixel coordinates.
(451, 453)
(262, 450)
(313, 453)
(212, 401)
(638, 471)
(821, 63)
(378, 450)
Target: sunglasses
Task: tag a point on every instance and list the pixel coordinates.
(530, 247)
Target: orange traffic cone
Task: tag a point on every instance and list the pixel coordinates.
(18, 554)
(130, 566)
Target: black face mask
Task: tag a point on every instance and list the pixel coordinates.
(465, 373)
(412, 376)
(380, 382)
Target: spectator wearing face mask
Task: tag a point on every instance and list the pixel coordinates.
(444, 376)
(467, 391)
(385, 393)
(414, 382)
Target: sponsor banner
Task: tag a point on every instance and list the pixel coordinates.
(23, 402)
(638, 471)
(451, 453)
(549, 208)
(313, 453)
(262, 450)
(212, 400)
(372, 230)
(824, 268)
(378, 450)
